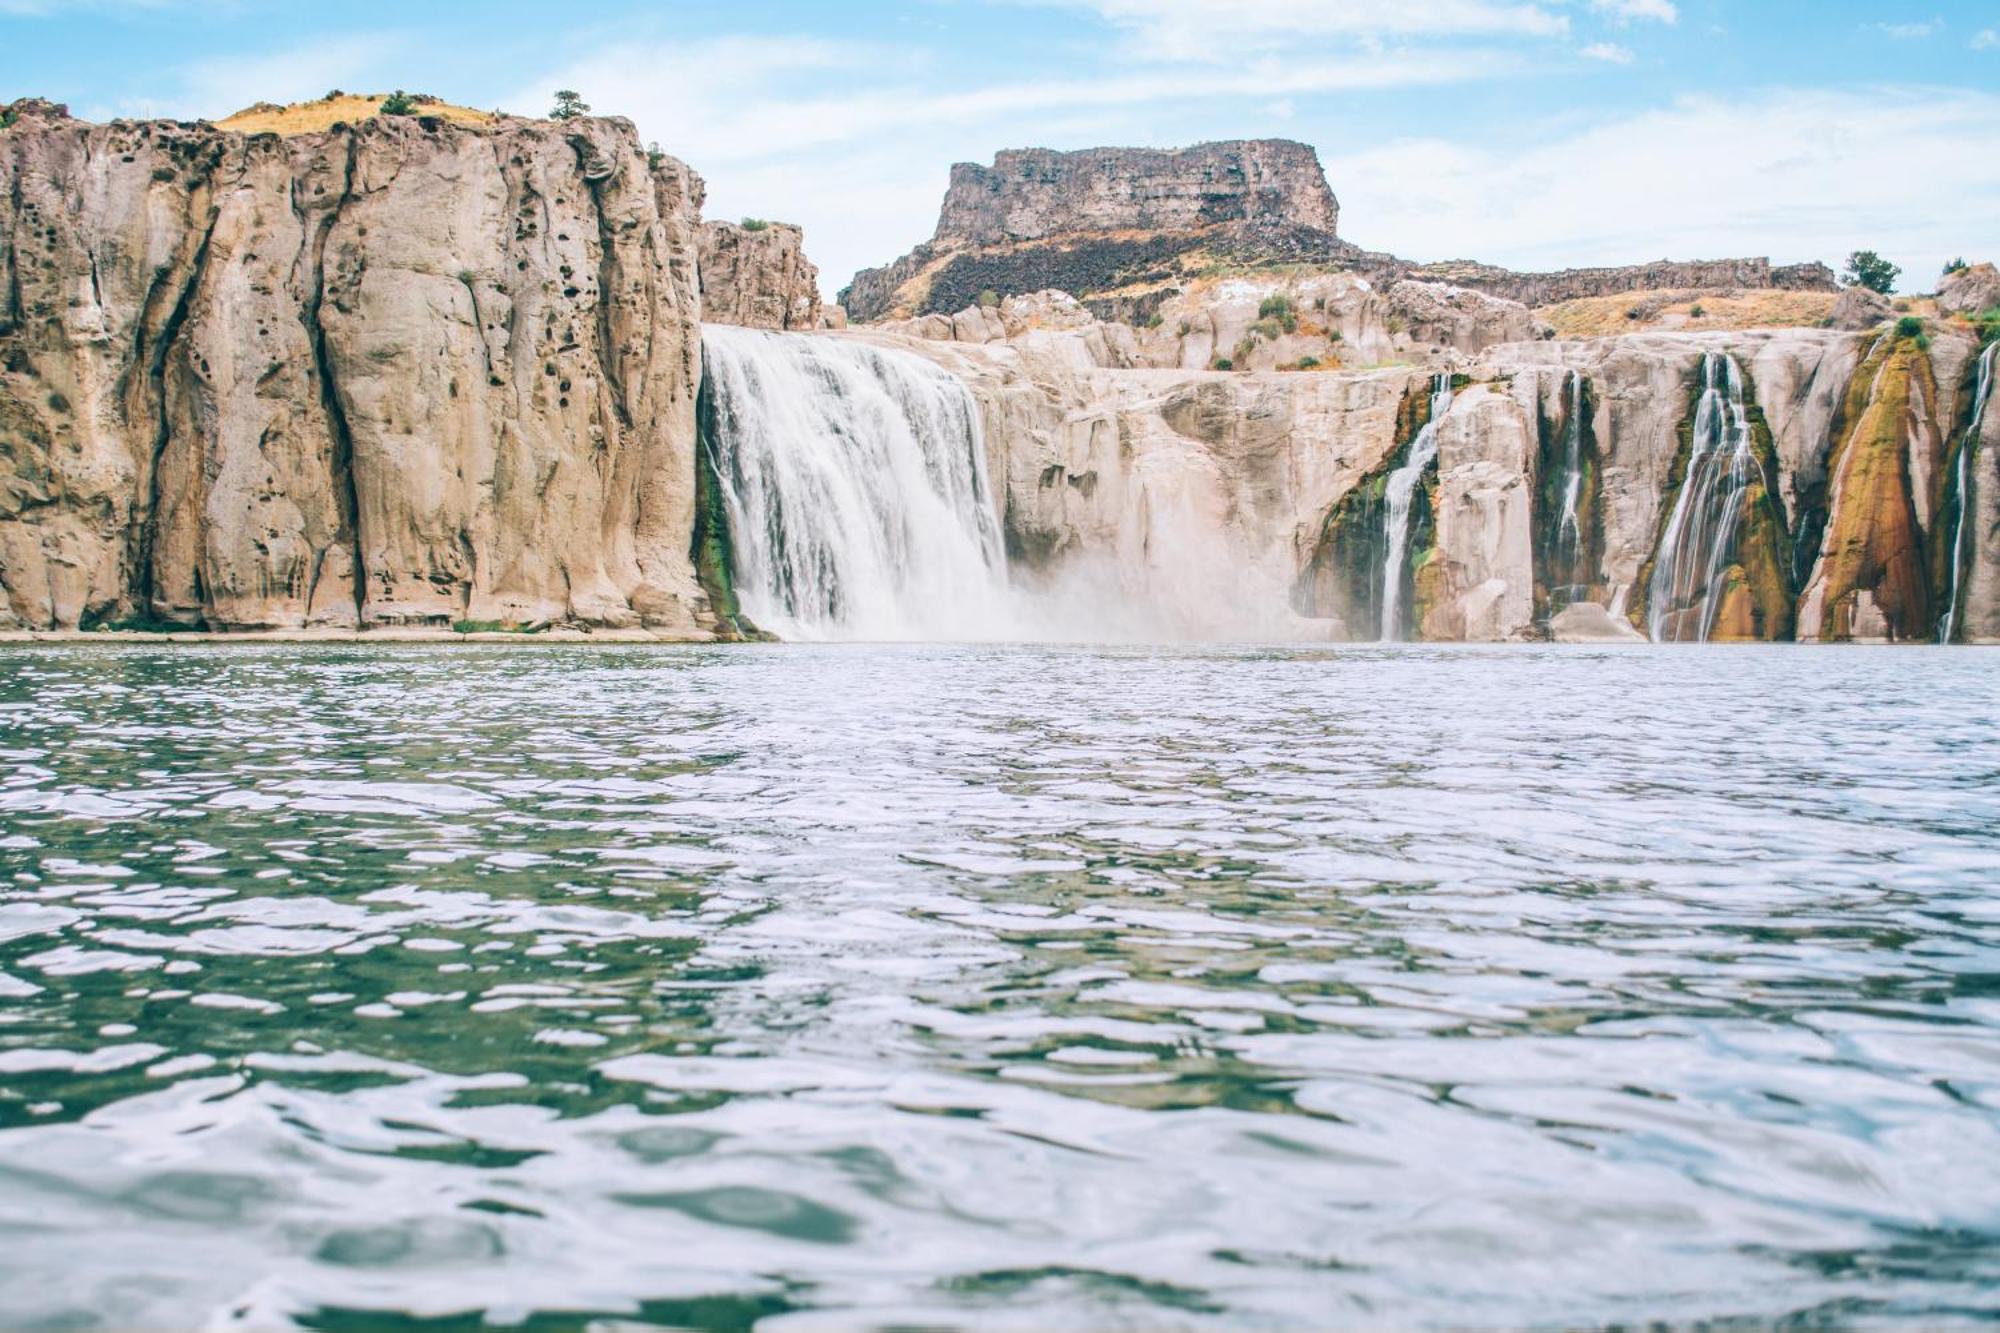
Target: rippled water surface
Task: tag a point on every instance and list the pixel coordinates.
(1012, 986)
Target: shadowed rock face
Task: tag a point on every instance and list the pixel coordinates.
(1032, 193)
(400, 372)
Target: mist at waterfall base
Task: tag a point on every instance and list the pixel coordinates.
(858, 488)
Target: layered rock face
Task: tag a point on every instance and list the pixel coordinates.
(1534, 289)
(1102, 218)
(758, 277)
(399, 372)
(1030, 194)
(1249, 503)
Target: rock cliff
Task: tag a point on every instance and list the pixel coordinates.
(1102, 218)
(401, 371)
(1203, 503)
(1030, 194)
(758, 276)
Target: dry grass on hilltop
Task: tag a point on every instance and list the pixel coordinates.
(309, 117)
(1645, 312)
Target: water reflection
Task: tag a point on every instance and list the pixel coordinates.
(1004, 985)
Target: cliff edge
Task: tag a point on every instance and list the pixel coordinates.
(400, 371)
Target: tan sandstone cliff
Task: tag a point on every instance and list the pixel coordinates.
(402, 371)
(756, 274)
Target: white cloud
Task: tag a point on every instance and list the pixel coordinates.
(1910, 31)
(1204, 30)
(1793, 174)
(1609, 52)
(1986, 39)
(774, 126)
(1626, 11)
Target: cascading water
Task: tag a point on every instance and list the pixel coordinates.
(1687, 585)
(854, 480)
(1569, 530)
(1402, 485)
(1962, 485)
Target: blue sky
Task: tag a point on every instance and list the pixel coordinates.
(1534, 133)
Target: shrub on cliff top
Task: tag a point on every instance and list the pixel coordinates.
(1867, 269)
(399, 103)
(754, 224)
(569, 105)
(1909, 326)
(1956, 266)
(1222, 363)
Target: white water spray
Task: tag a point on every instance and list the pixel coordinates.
(1402, 484)
(855, 483)
(1966, 448)
(1688, 571)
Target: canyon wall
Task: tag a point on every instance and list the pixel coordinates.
(1230, 503)
(403, 371)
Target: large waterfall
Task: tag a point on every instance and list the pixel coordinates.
(1963, 492)
(1687, 585)
(1401, 487)
(854, 480)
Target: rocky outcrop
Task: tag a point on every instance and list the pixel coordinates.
(402, 371)
(1859, 308)
(1102, 218)
(757, 275)
(1972, 290)
(1538, 289)
(1323, 321)
(1031, 194)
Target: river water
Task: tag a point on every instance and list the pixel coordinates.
(837, 985)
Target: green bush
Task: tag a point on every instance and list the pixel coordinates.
(754, 224)
(8, 117)
(1697, 312)
(399, 103)
(569, 105)
(1987, 323)
(653, 154)
(1308, 363)
(1222, 363)
(989, 299)
(1275, 313)
(1334, 336)
(1909, 326)
(1957, 265)
(1155, 320)
(1867, 269)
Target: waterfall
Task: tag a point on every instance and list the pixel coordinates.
(1569, 532)
(1967, 447)
(854, 480)
(1402, 484)
(1694, 552)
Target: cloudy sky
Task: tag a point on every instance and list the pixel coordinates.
(1532, 133)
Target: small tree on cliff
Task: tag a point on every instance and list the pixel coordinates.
(1867, 269)
(399, 103)
(569, 105)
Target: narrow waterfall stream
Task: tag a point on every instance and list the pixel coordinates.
(1569, 530)
(1402, 485)
(1688, 572)
(854, 481)
(1963, 492)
